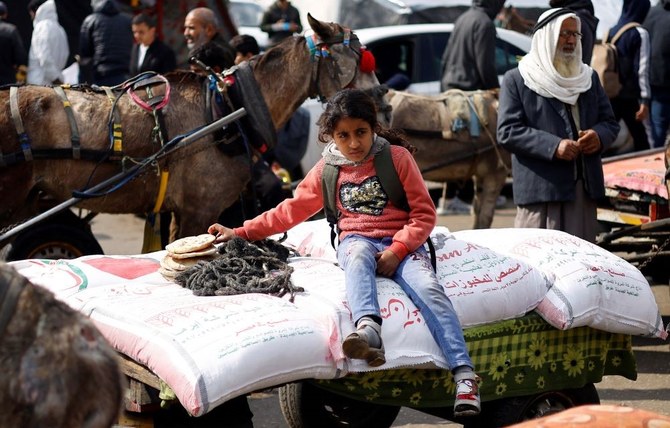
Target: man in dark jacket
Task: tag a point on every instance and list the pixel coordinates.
(105, 42)
(13, 56)
(280, 21)
(584, 10)
(632, 103)
(555, 119)
(149, 53)
(657, 24)
(468, 62)
(200, 27)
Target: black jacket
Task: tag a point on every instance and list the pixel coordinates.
(12, 53)
(274, 14)
(105, 42)
(468, 62)
(658, 26)
(630, 51)
(159, 58)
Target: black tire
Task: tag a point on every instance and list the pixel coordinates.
(508, 411)
(657, 269)
(305, 405)
(54, 241)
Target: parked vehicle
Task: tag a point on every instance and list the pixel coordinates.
(421, 47)
(635, 216)
(247, 15)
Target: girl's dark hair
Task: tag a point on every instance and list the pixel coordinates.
(356, 104)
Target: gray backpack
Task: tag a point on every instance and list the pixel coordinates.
(390, 183)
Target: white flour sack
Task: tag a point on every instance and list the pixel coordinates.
(207, 349)
(485, 286)
(591, 286)
(407, 340)
(311, 239)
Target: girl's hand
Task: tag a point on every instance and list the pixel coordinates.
(387, 263)
(222, 233)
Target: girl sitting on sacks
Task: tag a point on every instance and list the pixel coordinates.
(376, 237)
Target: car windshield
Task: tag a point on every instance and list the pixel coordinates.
(245, 14)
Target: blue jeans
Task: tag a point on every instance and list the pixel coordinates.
(660, 119)
(415, 275)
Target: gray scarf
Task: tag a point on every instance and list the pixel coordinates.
(333, 156)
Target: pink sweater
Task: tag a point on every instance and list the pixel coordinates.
(365, 209)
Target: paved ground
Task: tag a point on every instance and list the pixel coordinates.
(121, 234)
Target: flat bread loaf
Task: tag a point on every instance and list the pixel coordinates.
(210, 251)
(191, 244)
(167, 273)
(179, 265)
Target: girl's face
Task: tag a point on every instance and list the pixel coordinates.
(353, 138)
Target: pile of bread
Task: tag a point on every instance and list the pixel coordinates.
(187, 252)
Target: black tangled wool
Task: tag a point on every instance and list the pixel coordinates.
(243, 267)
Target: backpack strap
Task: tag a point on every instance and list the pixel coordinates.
(623, 30)
(389, 178)
(329, 189)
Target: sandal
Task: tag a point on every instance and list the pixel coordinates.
(356, 345)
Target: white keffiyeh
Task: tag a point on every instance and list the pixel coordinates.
(537, 67)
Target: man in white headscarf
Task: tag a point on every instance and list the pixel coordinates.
(555, 119)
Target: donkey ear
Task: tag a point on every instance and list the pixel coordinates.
(323, 30)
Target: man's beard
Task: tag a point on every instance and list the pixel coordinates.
(566, 63)
(197, 42)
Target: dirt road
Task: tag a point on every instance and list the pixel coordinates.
(122, 234)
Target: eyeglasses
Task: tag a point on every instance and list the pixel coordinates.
(566, 34)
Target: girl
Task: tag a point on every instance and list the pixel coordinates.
(376, 237)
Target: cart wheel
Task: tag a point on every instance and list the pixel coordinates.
(54, 241)
(509, 411)
(657, 269)
(307, 406)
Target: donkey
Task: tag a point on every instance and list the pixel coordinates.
(56, 141)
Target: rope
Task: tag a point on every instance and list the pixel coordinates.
(243, 267)
(492, 138)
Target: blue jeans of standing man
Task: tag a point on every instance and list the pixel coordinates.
(415, 275)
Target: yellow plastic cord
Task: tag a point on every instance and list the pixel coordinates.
(162, 189)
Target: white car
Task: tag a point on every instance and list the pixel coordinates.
(420, 48)
(247, 16)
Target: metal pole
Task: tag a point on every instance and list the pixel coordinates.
(214, 126)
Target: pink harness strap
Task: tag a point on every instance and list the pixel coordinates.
(144, 105)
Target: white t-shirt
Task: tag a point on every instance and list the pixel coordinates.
(140, 55)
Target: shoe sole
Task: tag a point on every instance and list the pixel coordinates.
(466, 413)
(356, 348)
(466, 410)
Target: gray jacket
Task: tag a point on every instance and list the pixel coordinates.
(531, 126)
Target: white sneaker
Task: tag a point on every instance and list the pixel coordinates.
(454, 206)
